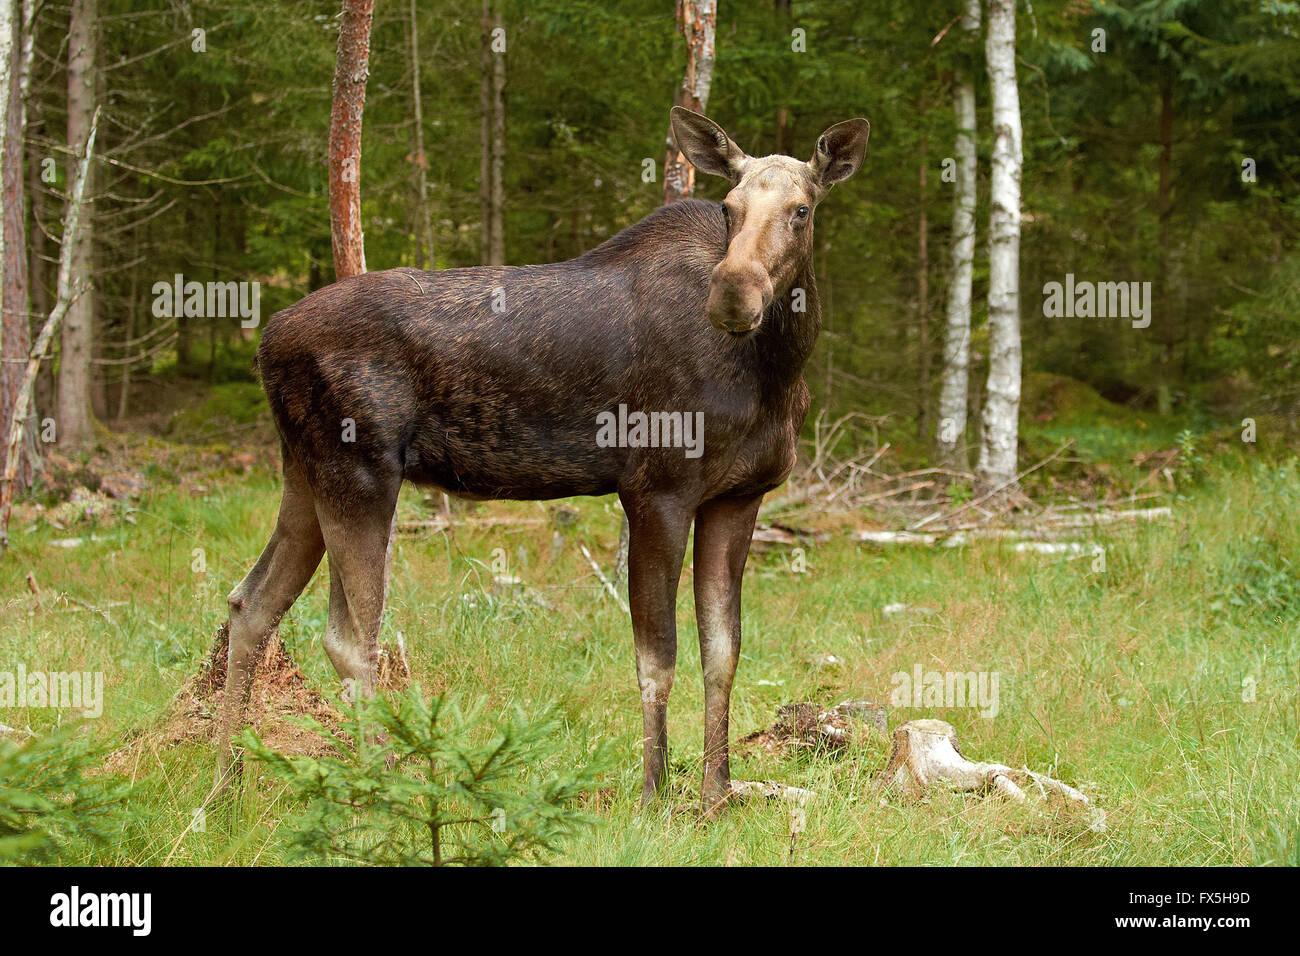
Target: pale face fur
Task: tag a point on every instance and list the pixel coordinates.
(769, 236)
(769, 212)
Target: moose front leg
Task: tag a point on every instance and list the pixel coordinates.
(723, 530)
(659, 528)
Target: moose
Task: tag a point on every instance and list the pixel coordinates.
(488, 382)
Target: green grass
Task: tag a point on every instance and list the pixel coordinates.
(1127, 682)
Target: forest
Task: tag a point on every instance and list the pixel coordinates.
(1051, 446)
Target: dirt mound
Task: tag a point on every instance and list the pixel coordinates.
(280, 698)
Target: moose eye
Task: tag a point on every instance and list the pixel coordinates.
(801, 213)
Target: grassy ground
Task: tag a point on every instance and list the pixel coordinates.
(1126, 681)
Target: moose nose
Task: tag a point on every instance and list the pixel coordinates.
(737, 297)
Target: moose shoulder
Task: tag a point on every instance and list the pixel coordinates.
(664, 365)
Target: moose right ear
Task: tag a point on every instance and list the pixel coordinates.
(706, 144)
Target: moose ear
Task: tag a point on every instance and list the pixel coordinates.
(840, 151)
(706, 145)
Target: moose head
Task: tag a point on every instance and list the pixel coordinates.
(769, 211)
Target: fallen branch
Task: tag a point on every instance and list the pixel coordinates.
(746, 789)
(609, 585)
(975, 502)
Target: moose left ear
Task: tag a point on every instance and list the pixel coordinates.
(840, 151)
(706, 144)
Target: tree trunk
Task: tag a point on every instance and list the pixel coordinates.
(124, 393)
(1164, 200)
(66, 296)
(923, 287)
(75, 422)
(351, 70)
(696, 21)
(997, 463)
(485, 134)
(15, 335)
(423, 227)
(951, 431)
(497, 252)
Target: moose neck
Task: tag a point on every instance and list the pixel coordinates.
(786, 338)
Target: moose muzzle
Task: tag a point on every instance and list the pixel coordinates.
(738, 295)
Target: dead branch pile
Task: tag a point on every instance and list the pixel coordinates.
(805, 725)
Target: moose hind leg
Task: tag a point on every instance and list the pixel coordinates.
(360, 546)
(259, 601)
(723, 530)
(341, 644)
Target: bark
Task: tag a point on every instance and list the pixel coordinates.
(696, 21)
(423, 227)
(351, 70)
(124, 393)
(14, 328)
(75, 420)
(497, 252)
(1164, 200)
(485, 134)
(923, 285)
(950, 435)
(997, 462)
(68, 292)
(38, 285)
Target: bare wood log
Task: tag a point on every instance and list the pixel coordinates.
(65, 296)
(895, 537)
(1110, 517)
(926, 755)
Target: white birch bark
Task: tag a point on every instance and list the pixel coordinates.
(950, 436)
(75, 421)
(997, 460)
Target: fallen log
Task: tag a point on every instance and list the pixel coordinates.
(926, 755)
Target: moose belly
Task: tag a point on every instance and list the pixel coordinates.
(510, 460)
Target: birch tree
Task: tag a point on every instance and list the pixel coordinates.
(351, 70)
(997, 460)
(75, 422)
(950, 436)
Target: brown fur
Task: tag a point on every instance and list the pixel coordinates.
(442, 389)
